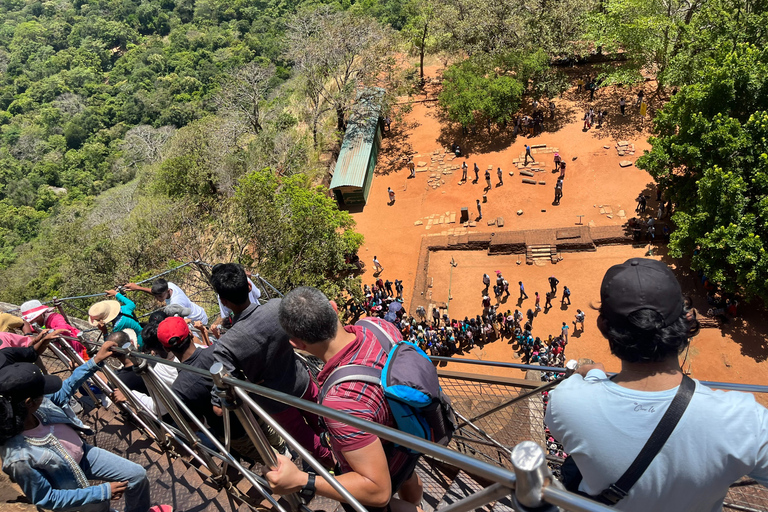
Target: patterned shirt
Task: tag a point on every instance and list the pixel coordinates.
(360, 399)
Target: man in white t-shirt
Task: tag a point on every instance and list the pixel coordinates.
(604, 423)
(169, 293)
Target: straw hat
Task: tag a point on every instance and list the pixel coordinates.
(8, 322)
(104, 311)
(132, 336)
(32, 309)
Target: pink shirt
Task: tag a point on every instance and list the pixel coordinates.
(9, 339)
(65, 434)
(56, 321)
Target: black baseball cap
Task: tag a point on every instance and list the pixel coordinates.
(25, 380)
(11, 355)
(641, 283)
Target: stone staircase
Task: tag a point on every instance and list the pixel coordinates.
(539, 254)
(177, 481)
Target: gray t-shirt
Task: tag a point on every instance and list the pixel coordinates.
(721, 437)
(257, 346)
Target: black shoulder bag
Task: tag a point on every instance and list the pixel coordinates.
(571, 475)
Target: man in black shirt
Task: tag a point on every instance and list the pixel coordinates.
(257, 348)
(195, 390)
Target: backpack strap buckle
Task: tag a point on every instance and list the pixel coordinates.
(613, 494)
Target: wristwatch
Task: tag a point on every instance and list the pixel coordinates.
(308, 491)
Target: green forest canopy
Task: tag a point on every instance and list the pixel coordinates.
(150, 113)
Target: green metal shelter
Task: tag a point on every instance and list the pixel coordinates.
(353, 174)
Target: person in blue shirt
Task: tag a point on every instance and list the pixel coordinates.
(604, 422)
(41, 448)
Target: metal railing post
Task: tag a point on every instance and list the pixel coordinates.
(479, 499)
(257, 436)
(483, 433)
(251, 427)
(303, 452)
(171, 401)
(153, 383)
(530, 465)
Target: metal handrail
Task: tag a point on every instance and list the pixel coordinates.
(727, 386)
(467, 463)
(503, 478)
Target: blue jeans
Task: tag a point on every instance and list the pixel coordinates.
(98, 464)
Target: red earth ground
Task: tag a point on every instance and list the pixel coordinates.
(735, 353)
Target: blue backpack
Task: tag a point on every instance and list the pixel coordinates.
(410, 384)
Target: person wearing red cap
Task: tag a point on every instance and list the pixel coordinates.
(710, 438)
(195, 390)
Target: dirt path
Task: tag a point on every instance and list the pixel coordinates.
(594, 179)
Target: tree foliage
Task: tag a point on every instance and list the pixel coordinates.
(336, 52)
(710, 155)
(499, 26)
(298, 234)
(492, 88)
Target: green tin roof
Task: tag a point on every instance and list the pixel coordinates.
(352, 164)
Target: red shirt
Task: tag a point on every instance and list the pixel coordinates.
(359, 399)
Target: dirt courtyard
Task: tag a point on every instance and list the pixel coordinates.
(595, 187)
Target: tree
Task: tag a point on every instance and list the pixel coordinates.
(497, 26)
(143, 144)
(334, 53)
(203, 160)
(419, 30)
(243, 93)
(492, 87)
(650, 33)
(298, 235)
(710, 156)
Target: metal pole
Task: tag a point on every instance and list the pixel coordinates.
(572, 502)
(251, 427)
(530, 465)
(161, 274)
(480, 431)
(258, 438)
(728, 386)
(465, 462)
(499, 364)
(154, 385)
(76, 297)
(154, 431)
(450, 284)
(478, 499)
(303, 452)
(165, 391)
(267, 283)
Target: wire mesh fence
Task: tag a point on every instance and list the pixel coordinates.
(475, 396)
(747, 495)
(496, 433)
